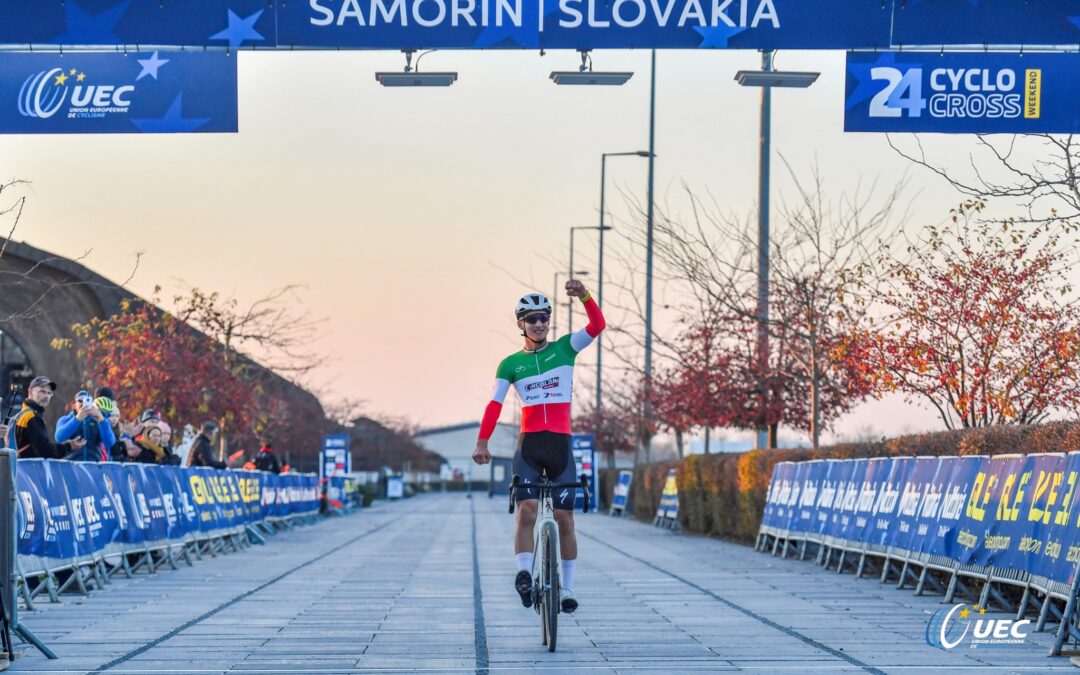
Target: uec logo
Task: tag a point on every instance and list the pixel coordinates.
(37, 99)
(948, 628)
(44, 93)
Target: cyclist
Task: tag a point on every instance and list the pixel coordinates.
(543, 376)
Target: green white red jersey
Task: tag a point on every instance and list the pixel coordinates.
(543, 379)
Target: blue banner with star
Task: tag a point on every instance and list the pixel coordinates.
(532, 24)
(986, 22)
(962, 93)
(143, 92)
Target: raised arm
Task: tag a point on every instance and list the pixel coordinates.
(584, 337)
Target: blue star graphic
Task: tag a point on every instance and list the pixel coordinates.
(150, 66)
(717, 36)
(527, 35)
(240, 30)
(866, 86)
(84, 29)
(172, 122)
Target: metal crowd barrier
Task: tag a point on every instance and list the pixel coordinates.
(795, 524)
(29, 576)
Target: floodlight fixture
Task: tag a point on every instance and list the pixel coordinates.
(775, 78)
(585, 75)
(412, 77)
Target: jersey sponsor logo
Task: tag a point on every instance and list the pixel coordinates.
(520, 369)
(549, 383)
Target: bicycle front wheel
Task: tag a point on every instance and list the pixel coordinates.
(549, 614)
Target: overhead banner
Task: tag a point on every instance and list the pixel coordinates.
(551, 24)
(962, 93)
(996, 22)
(1006, 512)
(93, 93)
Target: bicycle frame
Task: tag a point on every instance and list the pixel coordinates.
(546, 572)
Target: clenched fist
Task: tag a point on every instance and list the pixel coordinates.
(575, 289)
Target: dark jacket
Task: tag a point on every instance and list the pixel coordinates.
(32, 438)
(202, 453)
(266, 460)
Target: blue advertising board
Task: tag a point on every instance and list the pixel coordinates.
(962, 93)
(157, 92)
(336, 457)
(621, 494)
(1007, 512)
(584, 448)
(71, 509)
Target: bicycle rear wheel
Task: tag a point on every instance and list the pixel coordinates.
(549, 614)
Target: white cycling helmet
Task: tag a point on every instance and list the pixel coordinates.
(532, 302)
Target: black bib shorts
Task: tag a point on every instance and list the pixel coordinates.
(546, 451)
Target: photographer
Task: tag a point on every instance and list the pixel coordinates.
(31, 437)
(88, 421)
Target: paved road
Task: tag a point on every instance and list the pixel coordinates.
(426, 584)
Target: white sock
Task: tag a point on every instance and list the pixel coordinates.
(568, 574)
(525, 561)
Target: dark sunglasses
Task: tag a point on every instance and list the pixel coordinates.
(537, 318)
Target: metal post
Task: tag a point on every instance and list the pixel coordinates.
(8, 549)
(569, 300)
(763, 251)
(554, 307)
(600, 301)
(649, 258)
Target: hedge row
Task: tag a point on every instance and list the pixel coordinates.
(724, 495)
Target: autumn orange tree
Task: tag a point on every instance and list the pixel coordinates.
(980, 321)
(151, 359)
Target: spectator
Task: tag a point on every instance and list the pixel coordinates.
(202, 450)
(150, 418)
(150, 449)
(31, 437)
(266, 460)
(88, 421)
(3, 434)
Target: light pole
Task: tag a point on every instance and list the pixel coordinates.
(555, 295)
(600, 290)
(766, 78)
(569, 301)
(649, 258)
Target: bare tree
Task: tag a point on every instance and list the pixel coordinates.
(13, 200)
(712, 256)
(1038, 172)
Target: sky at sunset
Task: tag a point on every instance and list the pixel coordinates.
(415, 218)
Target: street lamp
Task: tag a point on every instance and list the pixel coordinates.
(600, 282)
(412, 77)
(767, 78)
(570, 301)
(555, 295)
(585, 75)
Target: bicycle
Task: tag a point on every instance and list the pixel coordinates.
(545, 573)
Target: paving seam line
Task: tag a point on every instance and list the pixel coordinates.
(739, 608)
(480, 631)
(202, 617)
